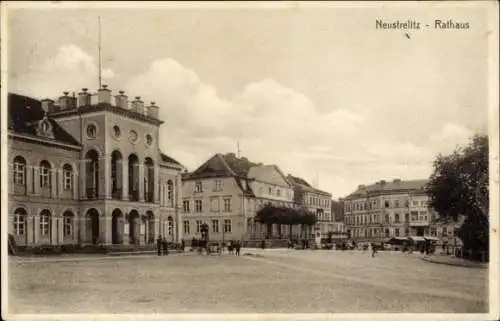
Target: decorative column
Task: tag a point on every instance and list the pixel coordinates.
(53, 233)
(58, 182)
(126, 229)
(82, 178)
(83, 229)
(157, 226)
(30, 233)
(125, 180)
(29, 180)
(36, 228)
(157, 184)
(36, 177)
(141, 182)
(105, 180)
(105, 228)
(75, 186)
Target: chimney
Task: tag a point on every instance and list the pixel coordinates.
(83, 98)
(231, 154)
(397, 180)
(104, 95)
(138, 105)
(153, 110)
(48, 105)
(382, 182)
(121, 100)
(65, 101)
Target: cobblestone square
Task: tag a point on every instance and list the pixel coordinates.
(276, 281)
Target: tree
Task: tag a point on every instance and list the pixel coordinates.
(459, 188)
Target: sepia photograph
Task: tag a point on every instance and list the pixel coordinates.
(250, 160)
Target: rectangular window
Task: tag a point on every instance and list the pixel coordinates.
(185, 206)
(44, 177)
(186, 227)
(278, 192)
(19, 224)
(227, 226)
(396, 203)
(198, 187)
(407, 203)
(68, 226)
(44, 225)
(415, 203)
(68, 180)
(270, 191)
(19, 170)
(198, 206)
(198, 226)
(386, 204)
(218, 185)
(215, 226)
(227, 205)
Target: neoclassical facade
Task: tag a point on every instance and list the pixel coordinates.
(86, 170)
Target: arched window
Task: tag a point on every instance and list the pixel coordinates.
(92, 174)
(45, 179)
(149, 180)
(170, 225)
(170, 193)
(20, 221)
(133, 177)
(396, 218)
(45, 223)
(67, 177)
(68, 219)
(116, 175)
(19, 170)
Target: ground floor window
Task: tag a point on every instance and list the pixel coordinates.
(186, 227)
(198, 226)
(227, 226)
(68, 226)
(44, 224)
(20, 222)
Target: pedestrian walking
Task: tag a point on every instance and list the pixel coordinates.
(159, 244)
(374, 249)
(263, 244)
(165, 246)
(183, 244)
(238, 247)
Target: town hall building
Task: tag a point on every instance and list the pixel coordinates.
(87, 169)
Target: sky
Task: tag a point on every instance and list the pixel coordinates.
(320, 92)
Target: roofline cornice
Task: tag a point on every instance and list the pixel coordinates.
(43, 141)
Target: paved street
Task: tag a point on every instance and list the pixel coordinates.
(279, 281)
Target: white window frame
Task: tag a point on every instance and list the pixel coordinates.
(19, 224)
(186, 226)
(19, 171)
(198, 187)
(67, 180)
(170, 193)
(44, 225)
(218, 185)
(198, 226)
(185, 205)
(44, 177)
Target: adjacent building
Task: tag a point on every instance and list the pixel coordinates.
(315, 201)
(397, 208)
(226, 191)
(88, 170)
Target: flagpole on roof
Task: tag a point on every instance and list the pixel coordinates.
(99, 53)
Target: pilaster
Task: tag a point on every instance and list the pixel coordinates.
(141, 182)
(29, 180)
(125, 180)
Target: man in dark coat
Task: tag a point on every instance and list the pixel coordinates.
(238, 247)
(159, 244)
(182, 245)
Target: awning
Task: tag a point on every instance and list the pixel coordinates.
(417, 238)
(431, 238)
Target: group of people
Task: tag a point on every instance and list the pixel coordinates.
(162, 245)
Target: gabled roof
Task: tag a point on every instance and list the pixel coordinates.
(221, 165)
(304, 185)
(412, 186)
(24, 114)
